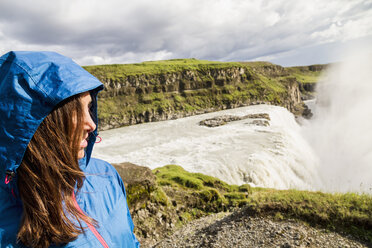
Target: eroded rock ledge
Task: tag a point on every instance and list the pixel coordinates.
(261, 119)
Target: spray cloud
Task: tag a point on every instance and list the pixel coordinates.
(341, 130)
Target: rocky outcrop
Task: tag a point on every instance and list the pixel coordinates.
(224, 119)
(151, 216)
(307, 114)
(157, 208)
(139, 182)
(307, 90)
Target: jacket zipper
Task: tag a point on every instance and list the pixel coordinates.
(91, 227)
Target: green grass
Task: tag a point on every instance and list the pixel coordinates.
(304, 75)
(257, 64)
(176, 176)
(121, 71)
(205, 193)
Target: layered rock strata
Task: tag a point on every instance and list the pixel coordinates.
(147, 97)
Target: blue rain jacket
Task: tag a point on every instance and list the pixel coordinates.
(31, 85)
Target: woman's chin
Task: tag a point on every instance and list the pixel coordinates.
(81, 154)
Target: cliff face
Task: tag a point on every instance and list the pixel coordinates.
(146, 97)
(307, 77)
(176, 82)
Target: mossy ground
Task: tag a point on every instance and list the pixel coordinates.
(201, 195)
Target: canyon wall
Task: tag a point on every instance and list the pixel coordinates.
(177, 90)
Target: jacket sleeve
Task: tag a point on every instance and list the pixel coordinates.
(129, 218)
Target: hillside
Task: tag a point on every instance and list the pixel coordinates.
(170, 89)
(167, 198)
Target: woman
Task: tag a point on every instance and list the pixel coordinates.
(52, 193)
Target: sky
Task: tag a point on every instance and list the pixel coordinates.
(284, 32)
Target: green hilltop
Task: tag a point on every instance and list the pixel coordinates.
(305, 74)
(119, 71)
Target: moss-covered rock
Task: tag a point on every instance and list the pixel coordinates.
(140, 184)
(169, 196)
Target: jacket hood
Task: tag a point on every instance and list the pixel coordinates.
(31, 85)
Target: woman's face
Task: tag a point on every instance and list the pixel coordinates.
(88, 123)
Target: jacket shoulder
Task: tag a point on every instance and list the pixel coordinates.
(100, 174)
(96, 165)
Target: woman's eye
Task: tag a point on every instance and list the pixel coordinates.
(90, 107)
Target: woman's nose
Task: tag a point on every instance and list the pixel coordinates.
(89, 124)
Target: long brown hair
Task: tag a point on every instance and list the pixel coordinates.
(47, 178)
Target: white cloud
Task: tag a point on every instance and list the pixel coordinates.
(116, 31)
(129, 57)
(347, 28)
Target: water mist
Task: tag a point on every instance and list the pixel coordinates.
(341, 130)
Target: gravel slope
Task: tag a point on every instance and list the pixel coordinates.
(237, 230)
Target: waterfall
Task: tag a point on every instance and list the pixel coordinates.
(239, 152)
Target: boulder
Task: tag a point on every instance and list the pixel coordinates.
(139, 182)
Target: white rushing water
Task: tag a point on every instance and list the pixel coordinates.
(238, 152)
